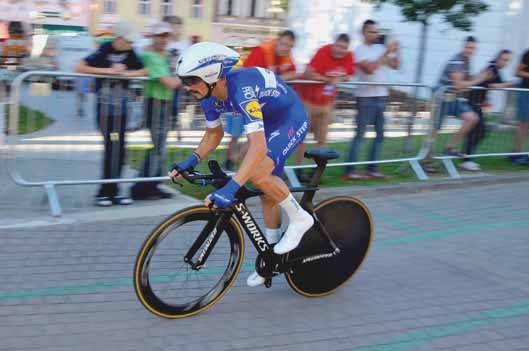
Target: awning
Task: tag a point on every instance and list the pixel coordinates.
(57, 28)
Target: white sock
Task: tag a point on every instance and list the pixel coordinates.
(272, 235)
(293, 209)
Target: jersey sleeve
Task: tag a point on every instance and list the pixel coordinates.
(244, 101)
(212, 115)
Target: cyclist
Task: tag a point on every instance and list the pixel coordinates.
(275, 122)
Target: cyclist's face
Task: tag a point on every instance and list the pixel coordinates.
(195, 86)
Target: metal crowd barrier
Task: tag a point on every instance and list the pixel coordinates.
(407, 126)
(69, 150)
(72, 142)
(493, 136)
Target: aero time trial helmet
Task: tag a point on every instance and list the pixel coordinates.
(207, 61)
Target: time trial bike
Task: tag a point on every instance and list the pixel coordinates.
(193, 257)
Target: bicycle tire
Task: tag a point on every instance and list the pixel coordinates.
(350, 225)
(142, 279)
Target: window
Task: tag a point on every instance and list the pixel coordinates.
(166, 7)
(144, 7)
(110, 7)
(197, 9)
(253, 8)
(230, 8)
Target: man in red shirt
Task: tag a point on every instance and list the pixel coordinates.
(332, 64)
(275, 55)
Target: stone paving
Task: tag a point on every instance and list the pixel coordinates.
(447, 271)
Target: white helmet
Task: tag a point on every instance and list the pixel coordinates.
(208, 61)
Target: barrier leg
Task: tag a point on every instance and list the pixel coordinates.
(451, 168)
(292, 178)
(419, 172)
(53, 200)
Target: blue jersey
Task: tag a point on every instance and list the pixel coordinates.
(260, 96)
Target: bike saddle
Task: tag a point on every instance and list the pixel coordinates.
(321, 154)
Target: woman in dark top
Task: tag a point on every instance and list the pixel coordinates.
(477, 99)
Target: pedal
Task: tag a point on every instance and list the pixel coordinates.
(268, 282)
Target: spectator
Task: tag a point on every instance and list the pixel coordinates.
(523, 111)
(113, 58)
(175, 48)
(158, 93)
(373, 57)
(477, 100)
(275, 55)
(454, 79)
(332, 63)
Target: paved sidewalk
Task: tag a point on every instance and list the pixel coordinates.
(447, 271)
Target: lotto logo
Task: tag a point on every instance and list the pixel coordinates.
(253, 108)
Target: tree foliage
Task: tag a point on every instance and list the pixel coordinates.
(458, 13)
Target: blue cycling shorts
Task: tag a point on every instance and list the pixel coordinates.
(284, 137)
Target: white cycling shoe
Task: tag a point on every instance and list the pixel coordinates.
(254, 280)
(288, 242)
(294, 234)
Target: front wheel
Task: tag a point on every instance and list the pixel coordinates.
(349, 224)
(166, 285)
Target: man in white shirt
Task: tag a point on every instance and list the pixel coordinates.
(372, 59)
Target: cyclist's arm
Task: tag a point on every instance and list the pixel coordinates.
(210, 141)
(256, 153)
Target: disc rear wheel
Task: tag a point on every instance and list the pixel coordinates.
(348, 222)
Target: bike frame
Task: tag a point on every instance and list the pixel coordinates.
(273, 264)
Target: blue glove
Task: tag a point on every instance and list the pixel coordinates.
(224, 196)
(186, 165)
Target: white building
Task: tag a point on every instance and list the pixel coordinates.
(504, 26)
(246, 23)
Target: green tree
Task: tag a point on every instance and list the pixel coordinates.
(458, 13)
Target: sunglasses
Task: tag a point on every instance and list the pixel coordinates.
(189, 81)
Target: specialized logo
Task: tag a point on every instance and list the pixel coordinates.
(253, 109)
(208, 242)
(251, 227)
(317, 257)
